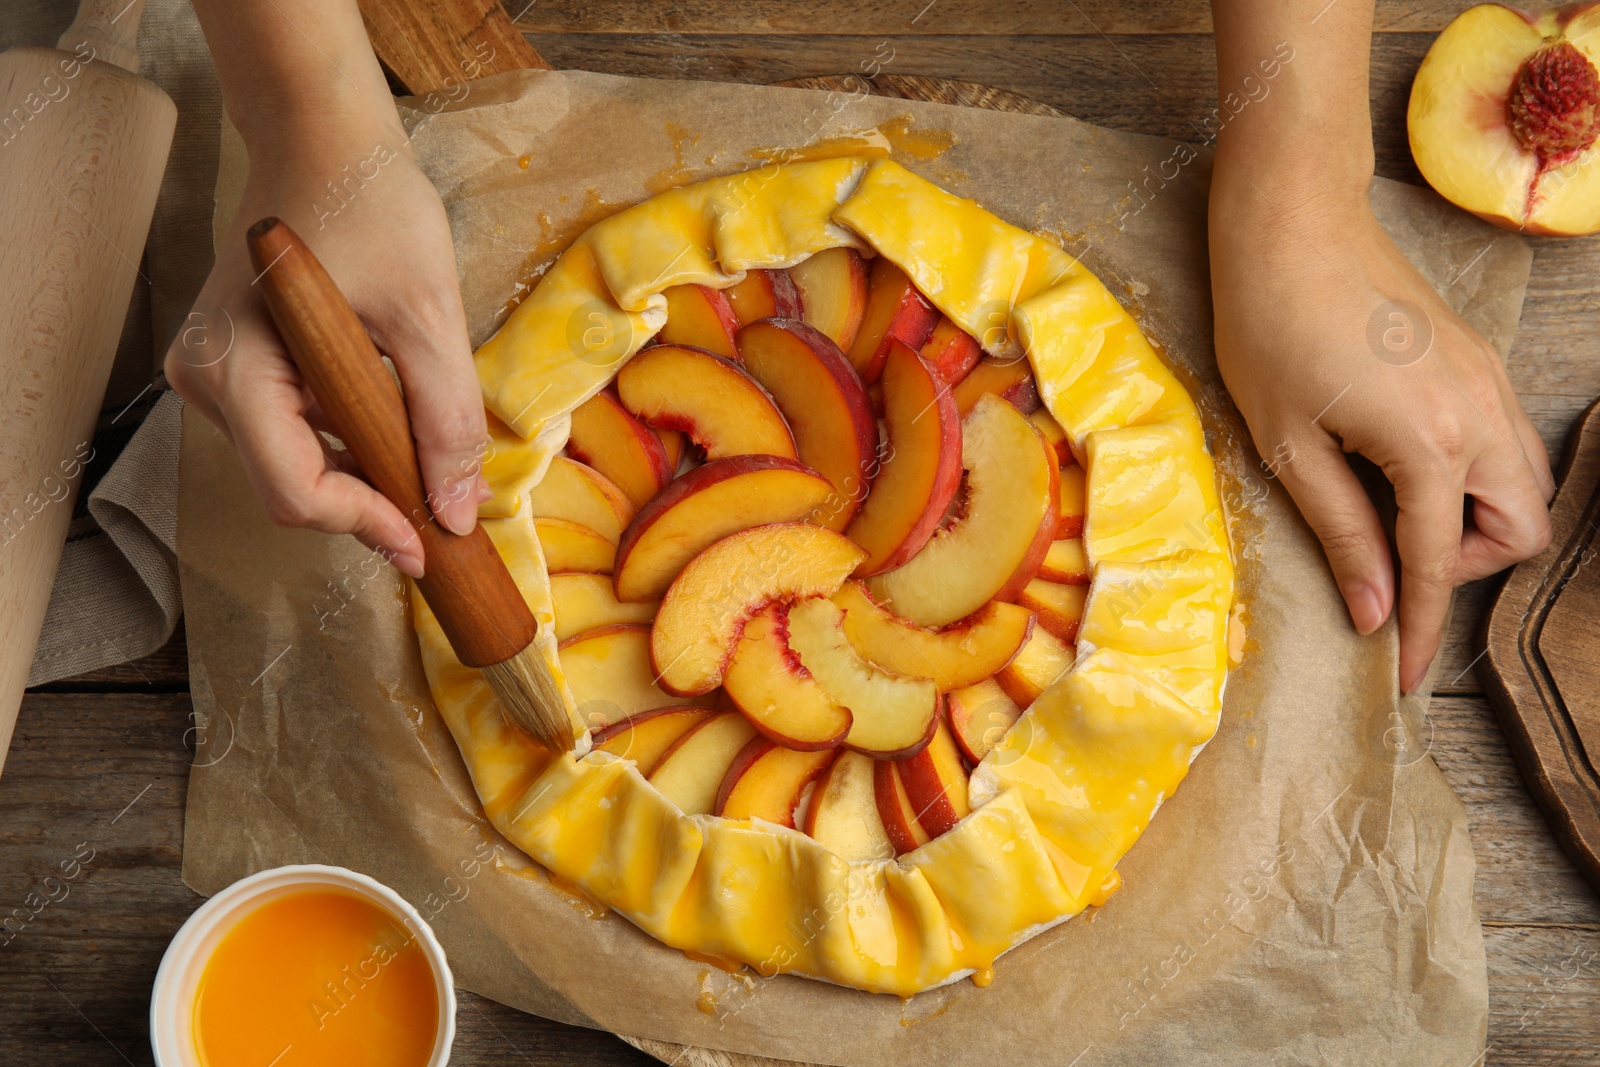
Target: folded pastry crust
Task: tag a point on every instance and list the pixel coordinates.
(1074, 783)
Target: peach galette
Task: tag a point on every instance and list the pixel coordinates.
(881, 558)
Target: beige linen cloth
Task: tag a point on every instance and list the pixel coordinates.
(116, 593)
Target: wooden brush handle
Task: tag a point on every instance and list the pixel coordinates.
(465, 582)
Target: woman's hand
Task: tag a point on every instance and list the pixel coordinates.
(328, 156)
(1332, 343)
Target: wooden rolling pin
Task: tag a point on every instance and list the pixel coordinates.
(465, 582)
(83, 144)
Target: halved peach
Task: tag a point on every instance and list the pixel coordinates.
(578, 493)
(764, 294)
(700, 317)
(1042, 660)
(690, 772)
(896, 311)
(767, 681)
(1505, 116)
(645, 736)
(1058, 606)
(572, 546)
(608, 671)
(1070, 505)
(765, 781)
(706, 606)
(951, 351)
(995, 548)
(585, 601)
(843, 815)
(619, 446)
(705, 505)
(1066, 562)
(922, 470)
(899, 818)
(822, 398)
(936, 783)
(1009, 379)
(833, 292)
(958, 655)
(892, 715)
(710, 398)
(980, 715)
(1053, 435)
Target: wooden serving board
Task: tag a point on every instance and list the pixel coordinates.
(1541, 657)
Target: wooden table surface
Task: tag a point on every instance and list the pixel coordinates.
(99, 765)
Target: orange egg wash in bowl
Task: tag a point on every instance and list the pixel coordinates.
(881, 558)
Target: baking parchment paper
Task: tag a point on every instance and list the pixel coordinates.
(1306, 897)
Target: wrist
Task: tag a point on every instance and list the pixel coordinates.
(1291, 176)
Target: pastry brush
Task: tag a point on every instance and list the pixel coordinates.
(465, 581)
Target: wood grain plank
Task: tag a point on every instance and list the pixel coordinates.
(1523, 876)
(1163, 85)
(1004, 17)
(1544, 995)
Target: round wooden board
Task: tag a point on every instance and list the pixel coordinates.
(902, 87)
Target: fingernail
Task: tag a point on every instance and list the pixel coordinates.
(1365, 610)
(407, 562)
(459, 515)
(484, 492)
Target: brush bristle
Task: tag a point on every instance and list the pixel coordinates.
(530, 698)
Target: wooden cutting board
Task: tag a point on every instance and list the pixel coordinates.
(1541, 657)
(429, 45)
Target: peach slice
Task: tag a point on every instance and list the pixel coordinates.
(1053, 434)
(710, 398)
(608, 671)
(1009, 379)
(896, 311)
(822, 398)
(705, 505)
(572, 546)
(672, 444)
(899, 818)
(690, 772)
(706, 606)
(764, 294)
(700, 317)
(765, 781)
(923, 470)
(1070, 507)
(1042, 660)
(961, 654)
(936, 783)
(1058, 606)
(843, 817)
(892, 714)
(1505, 117)
(578, 493)
(619, 446)
(1066, 562)
(995, 548)
(833, 292)
(767, 681)
(645, 736)
(951, 351)
(585, 601)
(980, 715)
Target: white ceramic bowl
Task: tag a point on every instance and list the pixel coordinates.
(172, 1000)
